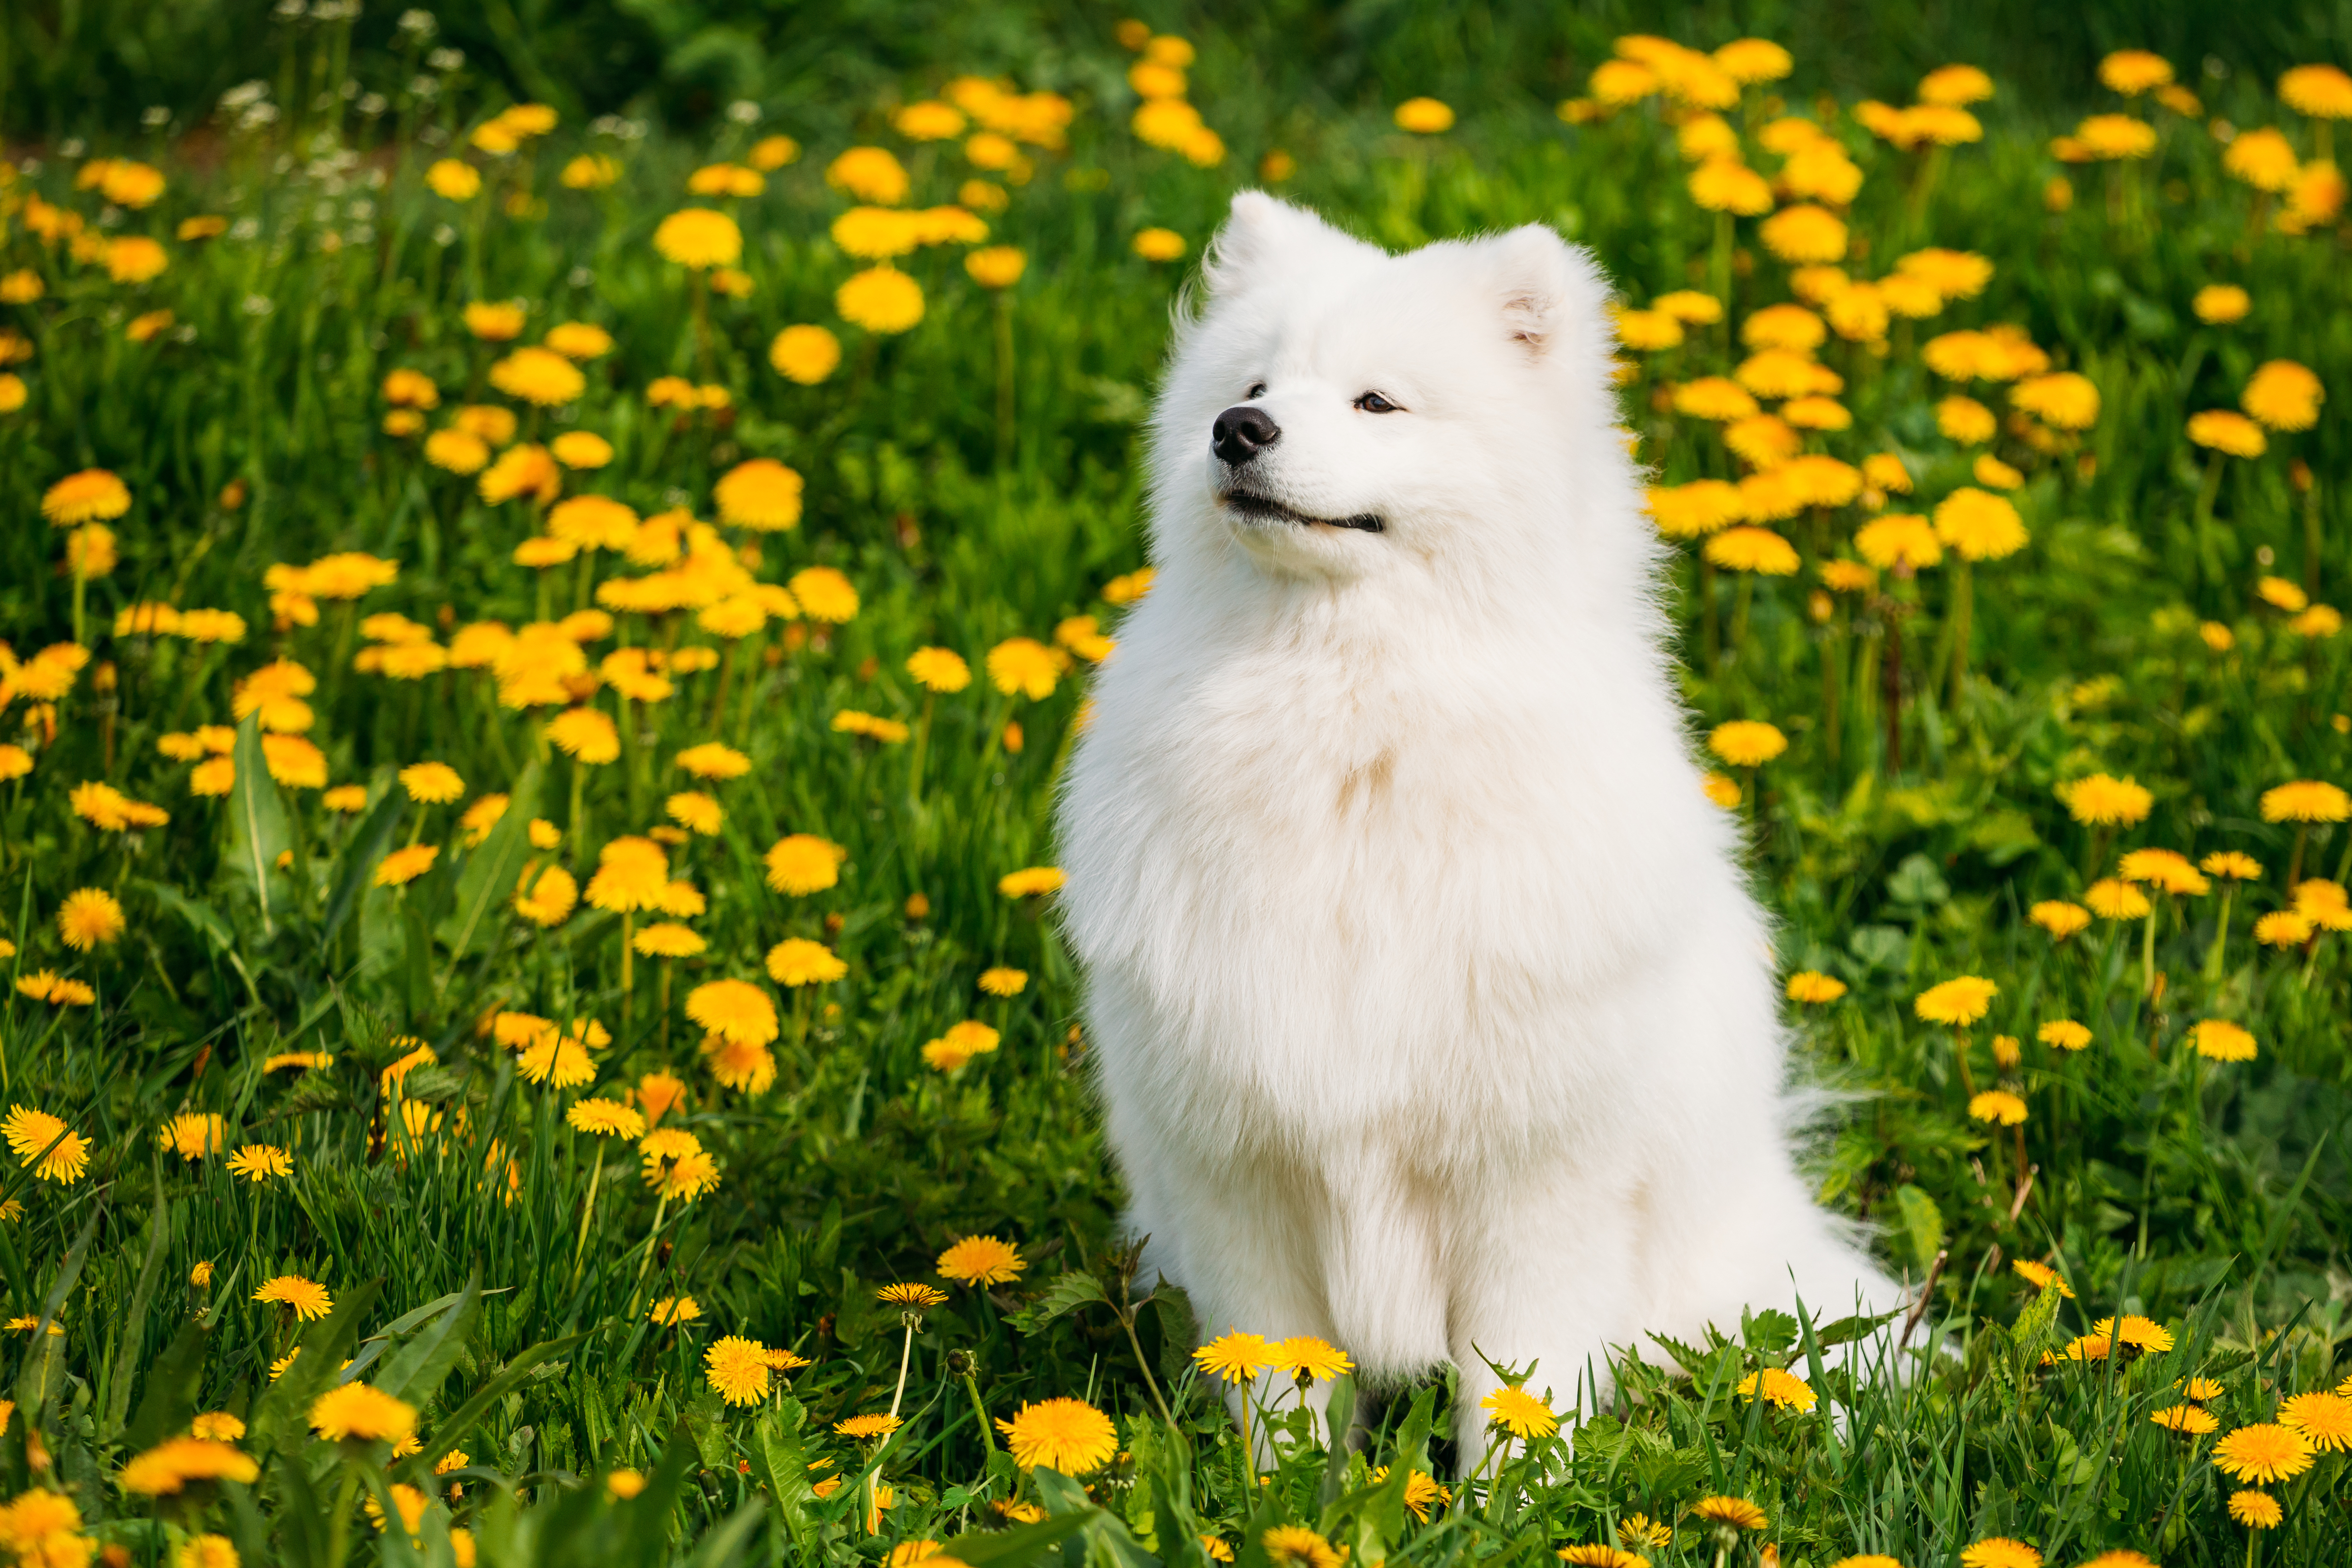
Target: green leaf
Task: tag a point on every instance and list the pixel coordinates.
(645, 1518)
(1923, 1222)
(1013, 1548)
(173, 1383)
(353, 871)
(781, 1459)
(277, 1416)
(725, 1544)
(133, 1323)
(490, 872)
(42, 1378)
(1067, 1293)
(258, 833)
(1688, 1357)
(416, 1370)
(452, 1430)
(1846, 1330)
(1338, 1416)
(1180, 1330)
(203, 917)
(704, 1418)
(1768, 1330)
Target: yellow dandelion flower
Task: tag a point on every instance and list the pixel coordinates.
(1064, 1435)
(2323, 1420)
(90, 918)
(1519, 1412)
(737, 1369)
(354, 1410)
(306, 1299)
(700, 238)
(1957, 1002)
(1997, 1106)
(803, 863)
(2099, 801)
(2263, 1452)
(2000, 1551)
(980, 1260)
(2219, 1040)
(1783, 1389)
(1296, 1546)
(258, 1163)
(1747, 743)
(2064, 1033)
(1735, 1513)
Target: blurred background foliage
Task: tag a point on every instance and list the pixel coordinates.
(66, 65)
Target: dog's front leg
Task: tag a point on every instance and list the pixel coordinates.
(1545, 1272)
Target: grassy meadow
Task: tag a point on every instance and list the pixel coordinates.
(534, 656)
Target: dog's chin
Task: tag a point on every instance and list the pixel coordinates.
(1263, 511)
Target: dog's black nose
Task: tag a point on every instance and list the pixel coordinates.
(1240, 432)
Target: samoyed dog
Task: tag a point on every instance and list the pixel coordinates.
(1432, 1014)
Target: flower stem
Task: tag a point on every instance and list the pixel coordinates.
(979, 1412)
(628, 994)
(587, 1210)
(636, 1292)
(905, 1354)
(1963, 611)
(2207, 566)
(2221, 934)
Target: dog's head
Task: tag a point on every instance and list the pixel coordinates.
(1338, 412)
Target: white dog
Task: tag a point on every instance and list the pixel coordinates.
(1433, 1015)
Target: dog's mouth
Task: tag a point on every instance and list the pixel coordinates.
(1260, 508)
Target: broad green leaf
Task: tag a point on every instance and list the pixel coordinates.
(490, 874)
(120, 1371)
(277, 1417)
(645, 1518)
(416, 1370)
(43, 1377)
(449, 1432)
(780, 1457)
(203, 917)
(258, 833)
(725, 1544)
(1067, 1293)
(172, 1386)
(1846, 1330)
(1338, 1415)
(1922, 1222)
(358, 862)
(1017, 1547)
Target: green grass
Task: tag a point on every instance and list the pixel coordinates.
(2210, 1197)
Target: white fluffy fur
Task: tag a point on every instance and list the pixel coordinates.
(1431, 1013)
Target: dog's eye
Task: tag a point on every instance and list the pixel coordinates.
(1373, 403)
(1257, 389)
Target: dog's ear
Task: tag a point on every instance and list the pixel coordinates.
(1536, 282)
(1265, 238)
